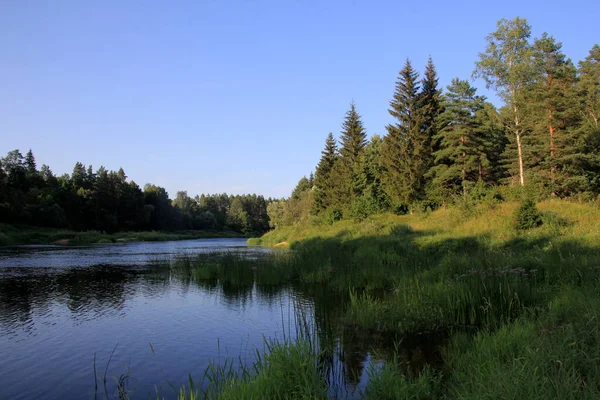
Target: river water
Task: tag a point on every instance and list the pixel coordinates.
(65, 310)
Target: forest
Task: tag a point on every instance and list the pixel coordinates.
(455, 146)
(106, 201)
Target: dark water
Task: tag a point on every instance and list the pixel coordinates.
(61, 307)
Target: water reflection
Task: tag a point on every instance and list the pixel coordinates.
(68, 313)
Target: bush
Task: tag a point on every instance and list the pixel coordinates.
(362, 207)
(527, 216)
(332, 216)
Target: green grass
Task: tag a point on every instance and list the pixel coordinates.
(287, 371)
(519, 307)
(21, 234)
(386, 383)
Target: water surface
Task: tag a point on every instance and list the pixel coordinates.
(64, 310)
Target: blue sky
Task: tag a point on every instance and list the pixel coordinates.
(230, 96)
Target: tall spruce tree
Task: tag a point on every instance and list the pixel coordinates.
(353, 140)
(30, 163)
(430, 109)
(506, 65)
(322, 197)
(404, 144)
(460, 157)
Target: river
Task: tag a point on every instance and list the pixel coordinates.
(65, 310)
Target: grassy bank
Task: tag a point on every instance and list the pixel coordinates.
(518, 308)
(23, 234)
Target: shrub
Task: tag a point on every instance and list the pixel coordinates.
(332, 216)
(527, 216)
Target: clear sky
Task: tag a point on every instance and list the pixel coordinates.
(231, 96)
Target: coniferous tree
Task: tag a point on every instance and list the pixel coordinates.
(104, 200)
(302, 186)
(322, 195)
(404, 170)
(429, 109)
(553, 103)
(30, 163)
(460, 158)
(588, 160)
(352, 143)
(373, 198)
(589, 86)
(494, 142)
(344, 181)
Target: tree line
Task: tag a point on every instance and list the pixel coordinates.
(106, 201)
(446, 146)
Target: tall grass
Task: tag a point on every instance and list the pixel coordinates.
(520, 305)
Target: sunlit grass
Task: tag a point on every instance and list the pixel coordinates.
(520, 306)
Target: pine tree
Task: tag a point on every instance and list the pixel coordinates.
(79, 176)
(322, 198)
(589, 85)
(460, 157)
(552, 99)
(586, 163)
(404, 143)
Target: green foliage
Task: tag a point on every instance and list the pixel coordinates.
(388, 383)
(404, 145)
(462, 155)
(322, 185)
(287, 371)
(521, 311)
(302, 186)
(332, 215)
(506, 66)
(105, 201)
(363, 206)
(527, 216)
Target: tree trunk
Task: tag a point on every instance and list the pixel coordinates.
(552, 131)
(519, 146)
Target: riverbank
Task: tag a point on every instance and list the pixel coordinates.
(515, 306)
(23, 234)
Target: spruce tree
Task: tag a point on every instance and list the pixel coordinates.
(429, 109)
(404, 143)
(30, 163)
(322, 197)
(353, 140)
(460, 157)
(370, 175)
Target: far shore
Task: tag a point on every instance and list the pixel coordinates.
(26, 235)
